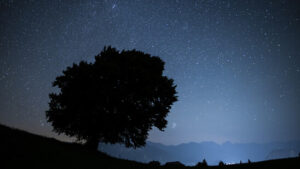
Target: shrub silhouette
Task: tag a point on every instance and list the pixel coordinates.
(154, 163)
(174, 164)
(202, 164)
(116, 99)
(221, 163)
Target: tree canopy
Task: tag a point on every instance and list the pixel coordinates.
(116, 99)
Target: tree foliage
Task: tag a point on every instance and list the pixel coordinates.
(116, 99)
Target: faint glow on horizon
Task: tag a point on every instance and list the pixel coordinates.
(236, 64)
(174, 125)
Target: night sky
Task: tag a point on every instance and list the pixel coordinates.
(236, 63)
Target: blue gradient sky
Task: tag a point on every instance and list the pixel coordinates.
(236, 63)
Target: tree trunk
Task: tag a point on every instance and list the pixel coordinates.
(92, 144)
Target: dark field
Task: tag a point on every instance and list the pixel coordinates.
(20, 149)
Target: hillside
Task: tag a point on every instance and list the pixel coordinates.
(20, 149)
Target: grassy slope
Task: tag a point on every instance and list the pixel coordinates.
(20, 149)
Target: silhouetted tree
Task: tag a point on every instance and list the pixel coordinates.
(221, 163)
(249, 161)
(116, 99)
(202, 164)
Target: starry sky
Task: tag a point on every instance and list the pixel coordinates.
(236, 63)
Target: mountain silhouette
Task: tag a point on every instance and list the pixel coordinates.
(191, 153)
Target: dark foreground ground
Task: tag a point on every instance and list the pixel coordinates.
(19, 149)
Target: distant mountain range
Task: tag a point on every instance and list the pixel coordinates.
(20, 149)
(191, 153)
